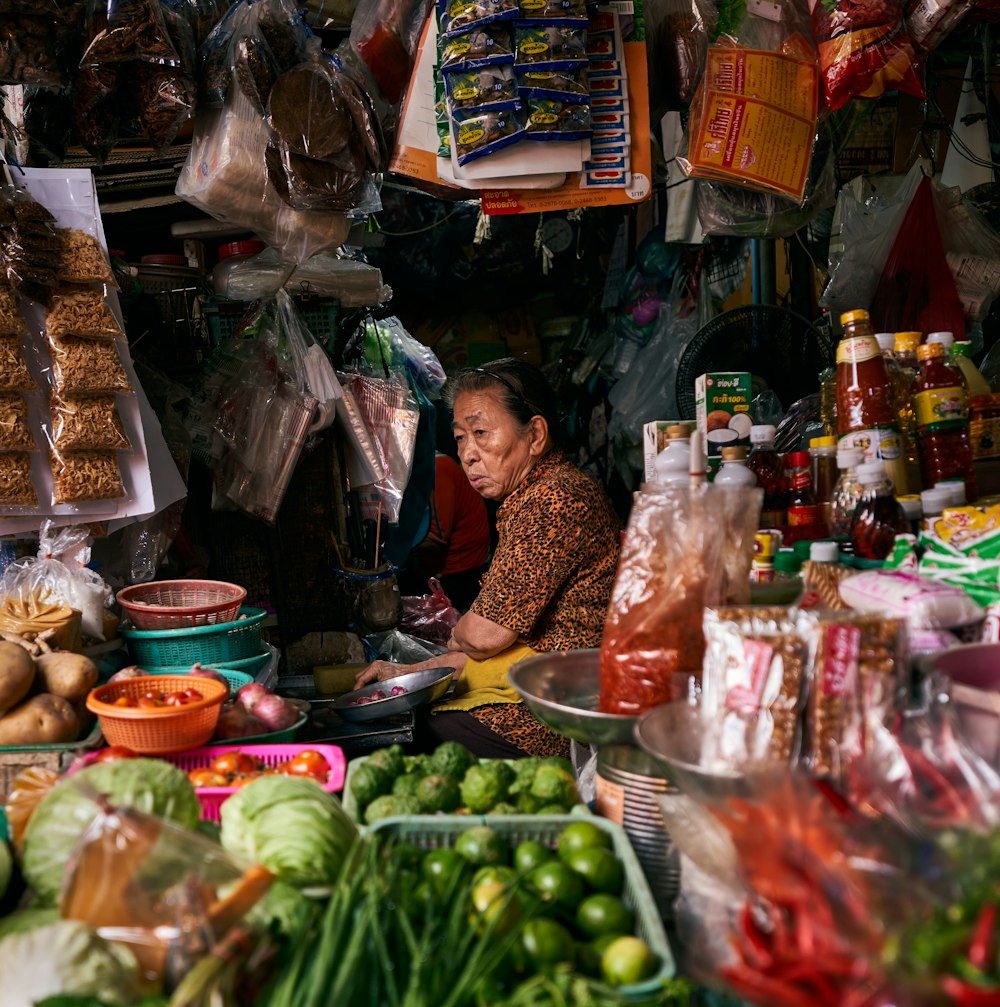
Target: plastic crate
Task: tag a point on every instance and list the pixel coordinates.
(249, 666)
(209, 645)
(273, 738)
(15, 758)
(236, 679)
(181, 604)
(212, 798)
(320, 315)
(433, 831)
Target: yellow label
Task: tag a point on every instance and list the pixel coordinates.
(539, 76)
(856, 349)
(941, 405)
(460, 9)
(757, 119)
(534, 48)
(461, 93)
(543, 118)
(467, 136)
(457, 48)
(532, 4)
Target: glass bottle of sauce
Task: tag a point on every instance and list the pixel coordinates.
(878, 518)
(846, 493)
(961, 357)
(984, 435)
(942, 411)
(866, 417)
(907, 369)
(823, 452)
(801, 508)
(765, 463)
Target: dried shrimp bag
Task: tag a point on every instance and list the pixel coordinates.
(83, 476)
(81, 311)
(86, 423)
(14, 373)
(83, 260)
(16, 487)
(30, 244)
(82, 366)
(15, 434)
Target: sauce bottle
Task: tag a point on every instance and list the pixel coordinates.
(942, 411)
(846, 493)
(801, 508)
(907, 369)
(734, 471)
(765, 463)
(961, 357)
(672, 464)
(823, 452)
(878, 517)
(866, 417)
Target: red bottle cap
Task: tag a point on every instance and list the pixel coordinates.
(164, 260)
(241, 248)
(797, 459)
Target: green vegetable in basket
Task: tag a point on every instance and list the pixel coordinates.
(483, 786)
(368, 782)
(406, 785)
(438, 793)
(65, 957)
(291, 826)
(149, 785)
(390, 759)
(452, 759)
(554, 785)
(22, 920)
(389, 806)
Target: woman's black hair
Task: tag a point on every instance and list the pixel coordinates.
(525, 391)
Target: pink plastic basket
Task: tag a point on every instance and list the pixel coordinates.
(211, 798)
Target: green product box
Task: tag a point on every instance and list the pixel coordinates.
(722, 409)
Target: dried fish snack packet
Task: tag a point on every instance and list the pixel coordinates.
(484, 133)
(83, 366)
(557, 12)
(11, 322)
(557, 120)
(87, 422)
(558, 84)
(550, 46)
(16, 488)
(76, 311)
(485, 46)
(15, 434)
(81, 476)
(491, 88)
(14, 373)
(82, 259)
(459, 16)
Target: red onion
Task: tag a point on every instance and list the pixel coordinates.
(133, 671)
(275, 712)
(235, 722)
(251, 694)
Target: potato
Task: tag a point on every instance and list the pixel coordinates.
(17, 672)
(41, 720)
(63, 673)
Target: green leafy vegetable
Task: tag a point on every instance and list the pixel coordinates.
(149, 785)
(23, 920)
(291, 826)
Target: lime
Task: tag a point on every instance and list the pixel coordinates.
(442, 868)
(628, 960)
(547, 942)
(579, 836)
(600, 869)
(495, 905)
(556, 883)
(604, 914)
(482, 845)
(530, 854)
(494, 872)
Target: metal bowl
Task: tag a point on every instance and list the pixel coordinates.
(422, 687)
(671, 735)
(561, 689)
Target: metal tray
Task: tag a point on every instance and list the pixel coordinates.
(421, 687)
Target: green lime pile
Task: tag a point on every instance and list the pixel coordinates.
(451, 780)
(565, 903)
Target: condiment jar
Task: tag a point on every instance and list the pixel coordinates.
(230, 256)
(765, 463)
(802, 508)
(734, 471)
(672, 464)
(878, 517)
(823, 451)
(933, 502)
(847, 492)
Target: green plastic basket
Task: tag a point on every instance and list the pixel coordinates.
(210, 646)
(248, 666)
(274, 738)
(432, 831)
(236, 679)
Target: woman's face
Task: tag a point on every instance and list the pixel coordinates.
(495, 452)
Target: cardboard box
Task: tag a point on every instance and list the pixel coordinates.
(654, 440)
(722, 409)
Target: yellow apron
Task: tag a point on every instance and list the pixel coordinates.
(484, 682)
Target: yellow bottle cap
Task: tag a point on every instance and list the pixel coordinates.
(858, 315)
(822, 442)
(908, 341)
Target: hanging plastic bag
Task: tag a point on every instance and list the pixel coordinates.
(384, 36)
(41, 591)
(677, 36)
(386, 343)
(758, 86)
(430, 616)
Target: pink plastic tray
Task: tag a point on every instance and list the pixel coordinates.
(211, 798)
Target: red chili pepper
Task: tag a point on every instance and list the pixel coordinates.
(754, 944)
(981, 947)
(763, 989)
(968, 994)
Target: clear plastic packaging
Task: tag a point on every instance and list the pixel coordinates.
(924, 603)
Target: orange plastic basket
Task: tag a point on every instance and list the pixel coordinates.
(181, 604)
(159, 730)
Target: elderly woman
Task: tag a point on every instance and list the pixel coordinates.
(548, 585)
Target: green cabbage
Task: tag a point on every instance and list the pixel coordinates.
(65, 957)
(289, 825)
(22, 920)
(150, 785)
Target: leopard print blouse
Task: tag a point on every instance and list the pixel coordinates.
(554, 566)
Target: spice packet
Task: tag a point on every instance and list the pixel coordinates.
(81, 476)
(87, 367)
(491, 88)
(558, 85)
(754, 684)
(557, 12)
(550, 47)
(485, 46)
(15, 434)
(484, 133)
(87, 423)
(460, 16)
(557, 120)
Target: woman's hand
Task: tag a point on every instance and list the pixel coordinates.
(379, 671)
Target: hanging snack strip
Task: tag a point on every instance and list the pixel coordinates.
(609, 163)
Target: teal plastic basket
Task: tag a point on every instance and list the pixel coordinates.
(248, 666)
(210, 646)
(432, 831)
(236, 679)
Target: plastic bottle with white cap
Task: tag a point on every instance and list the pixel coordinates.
(734, 471)
(673, 463)
(847, 492)
(933, 502)
(955, 488)
(946, 339)
(878, 517)
(824, 552)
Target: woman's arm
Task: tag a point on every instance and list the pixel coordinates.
(480, 638)
(379, 671)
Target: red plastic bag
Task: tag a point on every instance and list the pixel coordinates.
(864, 50)
(430, 616)
(916, 291)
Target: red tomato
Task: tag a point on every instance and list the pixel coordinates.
(192, 694)
(149, 703)
(206, 778)
(124, 701)
(235, 763)
(113, 752)
(308, 763)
